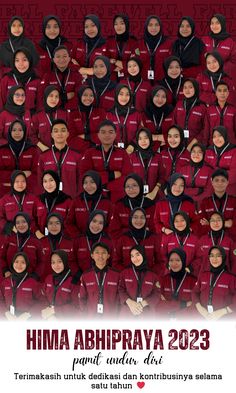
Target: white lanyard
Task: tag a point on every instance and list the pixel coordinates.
(20, 151)
(188, 43)
(58, 79)
(141, 205)
(125, 119)
(155, 46)
(221, 238)
(55, 158)
(89, 247)
(160, 123)
(222, 150)
(18, 243)
(106, 162)
(86, 203)
(106, 87)
(49, 120)
(212, 83)
(171, 210)
(135, 90)
(144, 237)
(226, 200)
(17, 80)
(20, 204)
(172, 285)
(49, 54)
(177, 91)
(26, 274)
(220, 111)
(177, 238)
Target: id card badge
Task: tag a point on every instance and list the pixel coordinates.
(100, 308)
(146, 189)
(210, 308)
(150, 74)
(60, 186)
(139, 299)
(12, 309)
(120, 74)
(121, 144)
(186, 133)
(46, 231)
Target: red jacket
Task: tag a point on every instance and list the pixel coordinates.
(207, 93)
(162, 128)
(197, 124)
(66, 300)
(9, 207)
(77, 218)
(120, 219)
(41, 126)
(228, 119)
(190, 247)
(119, 161)
(223, 293)
(162, 52)
(106, 100)
(31, 247)
(6, 118)
(89, 294)
(171, 166)
(140, 92)
(227, 161)
(69, 168)
(27, 161)
(128, 286)
(227, 50)
(79, 53)
(31, 91)
(65, 244)
(112, 52)
(76, 127)
(171, 98)
(130, 129)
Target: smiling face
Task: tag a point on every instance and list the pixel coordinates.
(178, 187)
(174, 70)
(175, 262)
(53, 98)
(196, 154)
(218, 139)
(97, 223)
(143, 140)
(61, 59)
(21, 224)
(90, 28)
(21, 62)
(132, 188)
(87, 97)
(188, 89)
(180, 223)
(123, 97)
(100, 256)
(215, 25)
(49, 183)
(212, 64)
(185, 29)
(133, 68)
(54, 225)
(173, 137)
(136, 257)
(215, 258)
(107, 135)
(222, 93)
(99, 69)
(19, 97)
(19, 183)
(17, 28)
(19, 264)
(119, 25)
(138, 219)
(216, 222)
(52, 29)
(153, 26)
(17, 132)
(89, 185)
(219, 184)
(57, 264)
(59, 133)
(159, 98)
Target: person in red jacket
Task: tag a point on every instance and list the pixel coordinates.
(52, 200)
(17, 200)
(62, 159)
(21, 240)
(222, 154)
(14, 110)
(120, 46)
(217, 237)
(176, 287)
(60, 291)
(22, 74)
(221, 112)
(175, 200)
(191, 114)
(111, 162)
(173, 79)
(174, 155)
(189, 48)
(91, 45)
(84, 121)
(52, 38)
(126, 119)
(54, 240)
(22, 293)
(158, 115)
(41, 124)
(140, 88)
(101, 83)
(197, 175)
(134, 197)
(219, 201)
(16, 38)
(138, 292)
(20, 154)
(213, 74)
(182, 237)
(98, 295)
(95, 232)
(64, 77)
(91, 198)
(148, 164)
(219, 39)
(214, 292)
(153, 49)
(138, 233)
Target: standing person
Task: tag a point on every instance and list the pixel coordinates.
(18, 154)
(51, 39)
(60, 292)
(98, 295)
(120, 46)
(176, 286)
(62, 159)
(189, 48)
(173, 79)
(16, 39)
(153, 49)
(214, 292)
(22, 293)
(138, 292)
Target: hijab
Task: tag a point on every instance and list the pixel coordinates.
(190, 102)
(95, 237)
(28, 75)
(93, 198)
(155, 112)
(13, 178)
(10, 106)
(175, 201)
(218, 75)
(178, 276)
(95, 42)
(18, 277)
(197, 165)
(217, 270)
(153, 41)
(220, 233)
(58, 277)
(56, 197)
(48, 43)
(122, 110)
(226, 146)
(121, 38)
(98, 85)
(22, 237)
(186, 218)
(48, 109)
(139, 199)
(138, 234)
(18, 146)
(143, 267)
(146, 154)
(222, 35)
(171, 83)
(55, 239)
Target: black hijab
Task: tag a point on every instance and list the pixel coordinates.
(153, 41)
(93, 198)
(136, 78)
(190, 102)
(17, 146)
(186, 218)
(51, 44)
(18, 277)
(95, 42)
(48, 109)
(6, 52)
(217, 270)
(13, 178)
(138, 234)
(155, 112)
(22, 237)
(188, 49)
(220, 233)
(140, 199)
(28, 75)
(50, 199)
(122, 110)
(143, 267)
(58, 277)
(54, 239)
(226, 146)
(121, 38)
(175, 151)
(222, 35)
(99, 84)
(218, 75)
(146, 154)
(178, 276)
(197, 165)
(10, 106)
(95, 237)
(170, 83)
(175, 201)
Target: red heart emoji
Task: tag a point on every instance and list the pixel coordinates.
(141, 385)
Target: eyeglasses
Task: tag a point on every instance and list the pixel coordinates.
(18, 95)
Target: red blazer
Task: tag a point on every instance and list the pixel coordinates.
(42, 212)
(197, 187)
(41, 126)
(171, 99)
(79, 53)
(228, 120)
(164, 126)
(131, 127)
(140, 92)
(6, 118)
(207, 93)
(127, 50)
(170, 167)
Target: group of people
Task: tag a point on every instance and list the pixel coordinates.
(118, 172)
